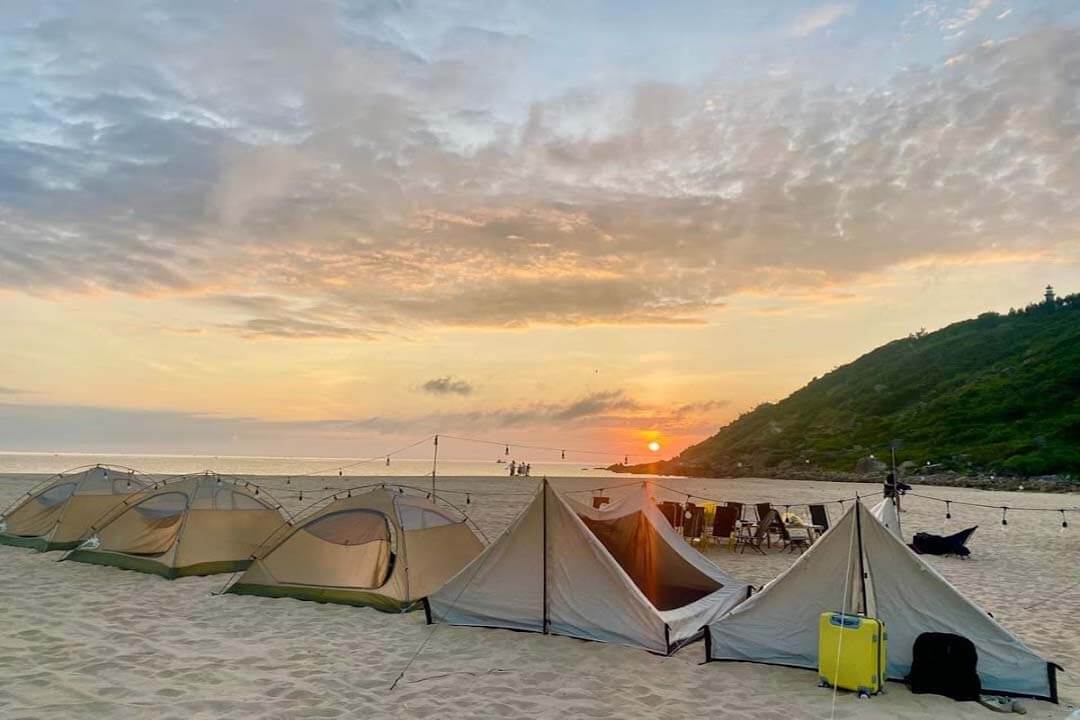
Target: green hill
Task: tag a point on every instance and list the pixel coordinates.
(1000, 393)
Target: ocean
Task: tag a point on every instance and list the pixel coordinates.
(11, 463)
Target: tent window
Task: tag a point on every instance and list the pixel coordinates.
(56, 494)
(163, 505)
(350, 527)
(418, 518)
(227, 498)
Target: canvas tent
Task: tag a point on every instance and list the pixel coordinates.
(381, 548)
(58, 514)
(620, 574)
(196, 525)
(861, 565)
(887, 514)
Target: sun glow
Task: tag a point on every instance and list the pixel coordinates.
(654, 446)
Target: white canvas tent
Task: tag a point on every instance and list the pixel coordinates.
(619, 575)
(860, 564)
(888, 515)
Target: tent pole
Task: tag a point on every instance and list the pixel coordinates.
(543, 508)
(862, 568)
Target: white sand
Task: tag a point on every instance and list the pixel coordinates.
(79, 641)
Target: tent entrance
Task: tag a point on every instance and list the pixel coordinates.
(661, 573)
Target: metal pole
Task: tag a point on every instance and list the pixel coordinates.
(862, 568)
(434, 467)
(543, 509)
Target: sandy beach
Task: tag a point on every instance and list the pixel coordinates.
(79, 641)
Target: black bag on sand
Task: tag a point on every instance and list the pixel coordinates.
(944, 664)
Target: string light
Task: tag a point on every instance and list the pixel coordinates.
(948, 510)
(1064, 522)
(387, 461)
(468, 500)
(1004, 520)
(563, 454)
(301, 496)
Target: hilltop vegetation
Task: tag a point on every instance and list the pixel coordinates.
(997, 394)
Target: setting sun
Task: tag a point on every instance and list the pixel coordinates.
(654, 446)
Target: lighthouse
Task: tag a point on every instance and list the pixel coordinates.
(1049, 295)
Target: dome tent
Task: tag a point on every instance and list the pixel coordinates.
(861, 566)
(58, 513)
(620, 574)
(382, 548)
(192, 525)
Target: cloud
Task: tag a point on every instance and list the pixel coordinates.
(819, 18)
(447, 385)
(30, 427)
(967, 16)
(315, 174)
(14, 391)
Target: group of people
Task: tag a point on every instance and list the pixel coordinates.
(517, 468)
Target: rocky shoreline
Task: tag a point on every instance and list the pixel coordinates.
(1045, 484)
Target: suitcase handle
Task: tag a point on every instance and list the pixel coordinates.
(845, 621)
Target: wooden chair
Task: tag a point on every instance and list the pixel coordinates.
(770, 518)
(723, 526)
(760, 536)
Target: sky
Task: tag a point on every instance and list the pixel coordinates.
(334, 228)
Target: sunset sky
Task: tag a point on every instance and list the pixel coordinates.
(300, 228)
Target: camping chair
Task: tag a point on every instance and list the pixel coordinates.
(693, 526)
(599, 501)
(797, 540)
(738, 509)
(819, 516)
(761, 535)
(673, 512)
(724, 525)
(765, 512)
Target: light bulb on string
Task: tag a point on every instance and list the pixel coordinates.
(468, 500)
(1004, 519)
(387, 461)
(1064, 521)
(563, 454)
(301, 496)
(507, 452)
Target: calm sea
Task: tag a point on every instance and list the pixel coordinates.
(285, 466)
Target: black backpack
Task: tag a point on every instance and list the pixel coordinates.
(944, 664)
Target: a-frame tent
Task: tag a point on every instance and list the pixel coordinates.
(57, 515)
(194, 525)
(861, 566)
(619, 574)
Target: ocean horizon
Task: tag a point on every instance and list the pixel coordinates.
(178, 464)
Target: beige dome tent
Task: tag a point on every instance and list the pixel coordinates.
(861, 566)
(620, 574)
(57, 515)
(193, 525)
(382, 548)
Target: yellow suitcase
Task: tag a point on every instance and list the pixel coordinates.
(852, 652)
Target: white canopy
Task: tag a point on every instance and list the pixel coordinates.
(620, 575)
(779, 625)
